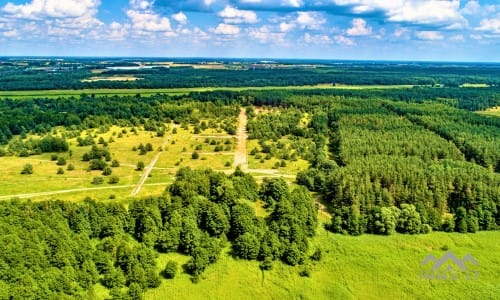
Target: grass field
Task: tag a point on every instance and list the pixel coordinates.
(75, 185)
(365, 267)
(176, 91)
(494, 111)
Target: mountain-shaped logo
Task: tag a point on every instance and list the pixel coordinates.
(449, 267)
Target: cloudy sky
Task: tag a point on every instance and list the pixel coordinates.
(330, 29)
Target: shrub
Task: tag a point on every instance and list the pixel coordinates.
(170, 269)
(97, 180)
(113, 179)
(61, 161)
(27, 169)
(60, 171)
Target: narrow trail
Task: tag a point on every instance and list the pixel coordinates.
(148, 169)
(240, 153)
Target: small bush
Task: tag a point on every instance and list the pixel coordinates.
(70, 167)
(113, 179)
(170, 269)
(60, 171)
(61, 161)
(97, 180)
(27, 169)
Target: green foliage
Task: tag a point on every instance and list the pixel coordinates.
(170, 269)
(140, 165)
(27, 169)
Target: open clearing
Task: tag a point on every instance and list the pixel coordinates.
(113, 78)
(494, 111)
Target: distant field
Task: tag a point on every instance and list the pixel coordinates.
(475, 85)
(365, 267)
(178, 91)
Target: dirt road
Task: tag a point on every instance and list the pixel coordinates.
(148, 169)
(240, 153)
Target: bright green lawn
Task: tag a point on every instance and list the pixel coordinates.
(365, 267)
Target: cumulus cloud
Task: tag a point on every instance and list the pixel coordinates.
(141, 4)
(285, 27)
(180, 18)
(429, 35)
(265, 35)
(471, 8)
(429, 12)
(52, 8)
(342, 40)
(227, 29)
(233, 15)
(148, 21)
(317, 38)
(310, 20)
(490, 25)
(359, 28)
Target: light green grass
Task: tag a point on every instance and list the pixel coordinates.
(365, 267)
(493, 111)
(177, 91)
(475, 85)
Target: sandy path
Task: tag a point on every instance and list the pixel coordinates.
(147, 170)
(240, 153)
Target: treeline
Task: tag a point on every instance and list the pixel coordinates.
(58, 250)
(17, 78)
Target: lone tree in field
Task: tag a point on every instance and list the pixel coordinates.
(140, 165)
(27, 169)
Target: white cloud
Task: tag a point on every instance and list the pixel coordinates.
(342, 40)
(490, 25)
(423, 12)
(265, 35)
(400, 31)
(233, 15)
(292, 3)
(52, 8)
(429, 35)
(471, 8)
(310, 20)
(141, 4)
(180, 18)
(148, 21)
(285, 27)
(227, 29)
(317, 38)
(10, 34)
(359, 28)
(117, 31)
(457, 38)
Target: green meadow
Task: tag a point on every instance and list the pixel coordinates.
(364, 267)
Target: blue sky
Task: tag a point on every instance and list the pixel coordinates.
(328, 29)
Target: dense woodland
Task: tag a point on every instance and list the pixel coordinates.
(60, 250)
(381, 161)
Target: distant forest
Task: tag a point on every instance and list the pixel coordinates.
(46, 75)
